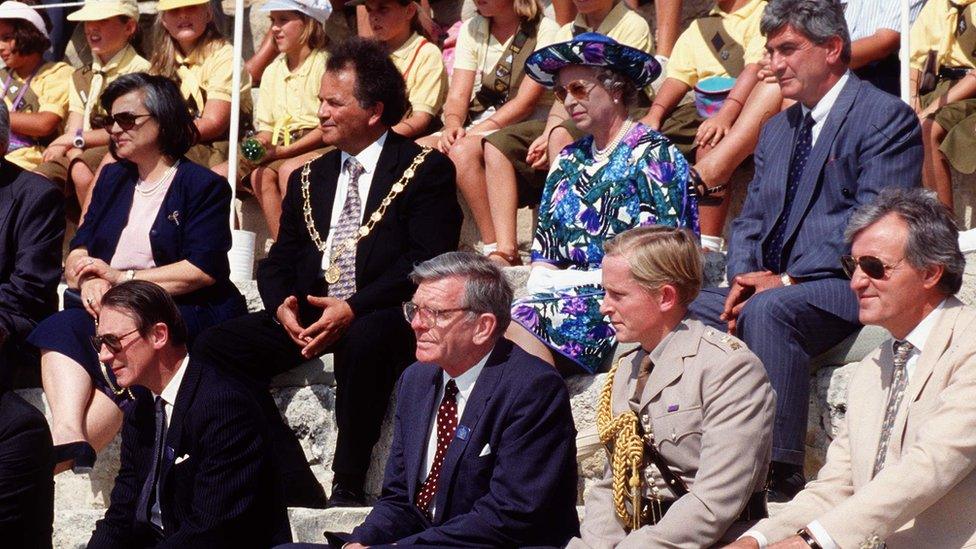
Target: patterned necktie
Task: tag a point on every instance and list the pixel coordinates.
(645, 371)
(147, 496)
(899, 380)
(345, 231)
(773, 250)
(446, 424)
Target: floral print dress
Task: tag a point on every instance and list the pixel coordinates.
(586, 202)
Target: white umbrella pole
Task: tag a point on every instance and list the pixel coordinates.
(241, 255)
(904, 51)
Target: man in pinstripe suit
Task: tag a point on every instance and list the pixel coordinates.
(816, 163)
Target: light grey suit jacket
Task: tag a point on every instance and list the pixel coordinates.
(711, 408)
(924, 496)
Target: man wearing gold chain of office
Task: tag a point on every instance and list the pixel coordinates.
(354, 223)
(686, 417)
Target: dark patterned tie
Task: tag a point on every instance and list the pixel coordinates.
(446, 424)
(345, 231)
(899, 380)
(147, 496)
(773, 249)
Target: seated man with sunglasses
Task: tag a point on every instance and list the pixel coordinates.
(899, 471)
(484, 446)
(817, 162)
(195, 461)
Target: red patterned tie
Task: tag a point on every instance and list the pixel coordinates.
(446, 424)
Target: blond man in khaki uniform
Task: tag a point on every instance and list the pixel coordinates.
(691, 401)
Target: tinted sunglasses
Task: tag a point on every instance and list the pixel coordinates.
(112, 341)
(870, 265)
(579, 89)
(125, 120)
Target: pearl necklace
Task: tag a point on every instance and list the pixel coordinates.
(145, 189)
(602, 154)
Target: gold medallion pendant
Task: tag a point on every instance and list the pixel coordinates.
(332, 274)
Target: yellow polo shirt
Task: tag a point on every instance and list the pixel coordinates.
(477, 50)
(696, 56)
(289, 99)
(50, 84)
(621, 24)
(206, 73)
(934, 29)
(422, 67)
(126, 61)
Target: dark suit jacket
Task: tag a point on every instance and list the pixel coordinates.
(221, 494)
(31, 233)
(192, 224)
(422, 222)
(870, 140)
(510, 482)
(26, 474)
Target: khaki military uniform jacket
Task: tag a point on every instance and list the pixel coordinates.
(923, 497)
(710, 406)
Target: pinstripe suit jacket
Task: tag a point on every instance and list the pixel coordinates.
(923, 497)
(870, 140)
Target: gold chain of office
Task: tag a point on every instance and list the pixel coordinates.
(626, 448)
(332, 272)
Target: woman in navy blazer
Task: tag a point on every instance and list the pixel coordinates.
(185, 208)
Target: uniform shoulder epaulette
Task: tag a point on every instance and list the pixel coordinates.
(723, 340)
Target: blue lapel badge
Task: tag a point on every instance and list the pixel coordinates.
(463, 432)
(673, 408)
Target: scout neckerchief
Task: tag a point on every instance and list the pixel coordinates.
(89, 82)
(957, 25)
(497, 84)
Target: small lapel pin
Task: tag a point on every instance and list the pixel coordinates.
(463, 432)
(170, 453)
(673, 408)
(175, 217)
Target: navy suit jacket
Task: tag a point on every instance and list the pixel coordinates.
(31, 233)
(192, 224)
(422, 222)
(509, 478)
(26, 478)
(870, 140)
(221, 493)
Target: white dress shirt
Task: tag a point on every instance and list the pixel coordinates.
(465, 384)
(917, 337)
(823, 107)
(368, 158)
(169, 398)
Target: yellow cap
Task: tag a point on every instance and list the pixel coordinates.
(164, 5)
(97, 10)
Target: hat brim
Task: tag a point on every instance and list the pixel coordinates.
(92, 12)
(545, 63)
(319, 15)
(165, 5)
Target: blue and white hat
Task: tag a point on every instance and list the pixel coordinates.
(320, 10)
(596, 50)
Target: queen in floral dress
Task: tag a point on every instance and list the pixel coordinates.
(623, 175)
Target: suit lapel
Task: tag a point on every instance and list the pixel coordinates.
(870, 422)
(780, 171)
(670, 365)
(322, 193)
(383, 178)
(174, 431)
(935, 346)
(484, 388)
(419, 428)
(819, 154)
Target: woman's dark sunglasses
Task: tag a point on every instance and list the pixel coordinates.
(870, 265)
(125, 120)
(579, 89)
(112, 341)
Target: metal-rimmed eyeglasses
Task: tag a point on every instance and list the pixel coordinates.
(112, 341)
(870, 266)
(428, 316)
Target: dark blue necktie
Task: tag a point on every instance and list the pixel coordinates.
(773, 248)
(148, 494)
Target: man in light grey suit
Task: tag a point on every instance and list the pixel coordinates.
(900, 468)
(817, 162)
(692, 409)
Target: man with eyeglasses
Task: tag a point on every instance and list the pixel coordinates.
(196, 465)
(899, 471)
(484, 447)
(831, 152)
